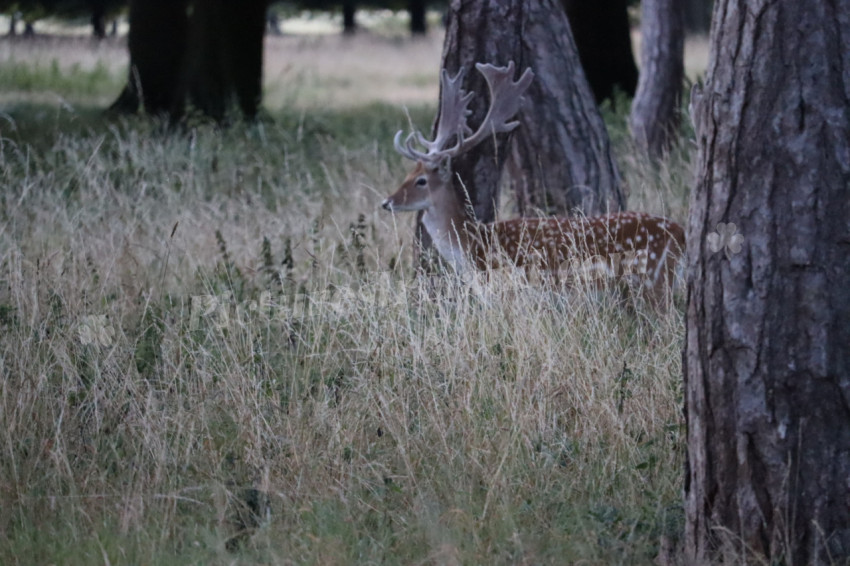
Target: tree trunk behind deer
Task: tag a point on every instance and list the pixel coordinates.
(654, 120)
(561, 160)
(767, 370)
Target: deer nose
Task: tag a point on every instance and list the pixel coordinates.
(387, 204)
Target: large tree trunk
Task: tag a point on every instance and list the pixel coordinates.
(562, 153)
(602, 34)
(768, 340)
(225, 56)
(213, 59)
(654, 120)
(157, 44)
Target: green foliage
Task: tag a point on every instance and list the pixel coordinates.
(73, 82)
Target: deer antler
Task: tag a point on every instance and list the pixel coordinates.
(505, 101)
(453, 112)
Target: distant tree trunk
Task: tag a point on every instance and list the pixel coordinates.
(654, 120)
(767, 366)
(349, 23)
(602, 34)
(13, 24)
(697, 15)
(247, 28)
(225, 56)
(213, 59)
(418, 23)
(157, 44)
(98, 20)
(29, 29)
(273, 23)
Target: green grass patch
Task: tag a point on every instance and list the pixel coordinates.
(72, 82)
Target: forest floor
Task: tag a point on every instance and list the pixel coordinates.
(213, 348)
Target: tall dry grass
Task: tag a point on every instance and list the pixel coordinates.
(214, 350)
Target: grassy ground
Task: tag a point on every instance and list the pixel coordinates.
(213, 349)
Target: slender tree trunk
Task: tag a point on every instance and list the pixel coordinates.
(13, 24)
(767, 365)
(349, 22)
(418, 23)
(98, 20)
(603, 37)
(654, 120)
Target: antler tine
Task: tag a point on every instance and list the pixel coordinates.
(406, 149)
(453, 111)
(505, 101)
(452, 122)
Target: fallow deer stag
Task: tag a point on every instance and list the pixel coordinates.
(634, 243)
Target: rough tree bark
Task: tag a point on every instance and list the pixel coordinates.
(561, 151)
(602, 35)
(654, 119)
(768, 340)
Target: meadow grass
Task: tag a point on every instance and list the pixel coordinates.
(214, 349)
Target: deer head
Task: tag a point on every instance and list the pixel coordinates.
(428, 186)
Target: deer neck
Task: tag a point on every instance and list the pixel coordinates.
(451, 228)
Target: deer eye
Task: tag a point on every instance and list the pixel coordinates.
(421, 182)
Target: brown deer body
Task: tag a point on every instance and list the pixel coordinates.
(623, 243)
